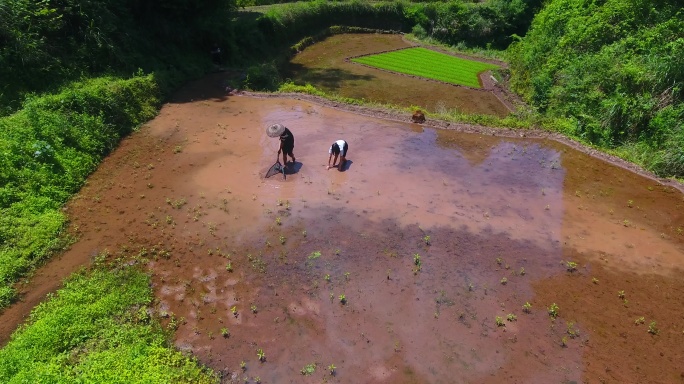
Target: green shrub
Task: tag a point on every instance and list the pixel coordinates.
(96, 329)
(262, 77)
(419, 31)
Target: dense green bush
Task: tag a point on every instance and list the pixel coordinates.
(97, 329)
(45, 45)
(262, 77)
(614, 67)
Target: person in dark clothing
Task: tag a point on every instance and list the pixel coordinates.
(286, 141)
(338, 148)
(216, 54)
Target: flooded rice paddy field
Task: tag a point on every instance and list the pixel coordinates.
(436, 239)
(326, 66)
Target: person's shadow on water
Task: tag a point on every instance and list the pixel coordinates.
(293, 168)
(346, 166)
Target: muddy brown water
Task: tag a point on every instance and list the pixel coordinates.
(185, 197)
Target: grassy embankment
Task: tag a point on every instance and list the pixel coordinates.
(615, 70)
(47, 149)
(97, 329)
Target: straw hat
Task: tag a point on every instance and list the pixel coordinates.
(275, 130)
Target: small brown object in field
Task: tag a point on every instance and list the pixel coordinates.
(418, 117)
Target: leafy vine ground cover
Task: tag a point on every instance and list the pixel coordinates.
(429, 64)
(97, 328)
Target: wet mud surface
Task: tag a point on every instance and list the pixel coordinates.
(433, 236)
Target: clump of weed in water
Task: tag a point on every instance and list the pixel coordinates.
(417, 263)
(314, 255)
(308, 369)
(527, 307)
(553, 310)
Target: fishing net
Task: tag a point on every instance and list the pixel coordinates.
(275, 169)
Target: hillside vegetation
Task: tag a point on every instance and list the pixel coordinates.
(616, 69)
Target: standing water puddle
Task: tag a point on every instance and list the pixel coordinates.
(433, 237)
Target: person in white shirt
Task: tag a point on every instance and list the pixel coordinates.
(338, 148)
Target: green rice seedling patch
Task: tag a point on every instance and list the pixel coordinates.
(429, 64)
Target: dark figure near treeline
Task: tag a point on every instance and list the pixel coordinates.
(216, 54)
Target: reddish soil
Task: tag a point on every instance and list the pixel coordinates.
(186, 197)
